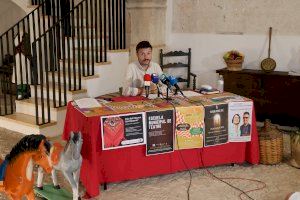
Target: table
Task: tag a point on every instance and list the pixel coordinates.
(274, 94)
(131, 163)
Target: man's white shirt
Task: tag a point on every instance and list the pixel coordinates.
(135, 77)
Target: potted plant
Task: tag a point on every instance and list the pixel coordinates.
(295, 149)
(234, 60)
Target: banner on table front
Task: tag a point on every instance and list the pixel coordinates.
(160, 131)
(216, 124)
(122, 130)
(189, 127)
(239, 121)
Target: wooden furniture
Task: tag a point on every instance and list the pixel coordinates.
(276, 95)
(178, 65)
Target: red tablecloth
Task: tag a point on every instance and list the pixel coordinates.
(131, 163)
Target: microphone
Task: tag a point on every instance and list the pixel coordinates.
(173, 82)
(147, 81)
(165, 80)
(154, 78)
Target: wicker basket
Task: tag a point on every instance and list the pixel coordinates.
(270, 144)
(234, 65)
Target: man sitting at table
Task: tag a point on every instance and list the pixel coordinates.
(134, 82)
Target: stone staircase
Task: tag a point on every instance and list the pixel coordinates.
(107, 78)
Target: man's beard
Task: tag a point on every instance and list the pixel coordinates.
(145, 63)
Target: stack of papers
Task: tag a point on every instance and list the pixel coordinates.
(87, 103)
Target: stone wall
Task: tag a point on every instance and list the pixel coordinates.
(146, 21)
(236, 16)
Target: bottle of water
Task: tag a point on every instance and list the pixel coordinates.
(220, 84)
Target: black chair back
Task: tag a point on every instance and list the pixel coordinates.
(187, 65)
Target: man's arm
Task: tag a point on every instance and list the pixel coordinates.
(128, 90)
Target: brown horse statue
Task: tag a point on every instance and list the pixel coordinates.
(18, 174)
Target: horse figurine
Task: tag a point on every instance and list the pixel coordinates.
(68, 160)
(17, 168)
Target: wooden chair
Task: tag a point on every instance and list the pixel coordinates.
(179, 65)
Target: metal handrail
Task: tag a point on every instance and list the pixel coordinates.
(52, 50)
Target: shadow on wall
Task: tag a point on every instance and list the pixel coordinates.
(10, 14)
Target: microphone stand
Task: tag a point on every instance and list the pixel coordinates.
(147, 91)
(176, 92)
(158, 91)
(167, 98)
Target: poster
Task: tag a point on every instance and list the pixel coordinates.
(160, 132)
(216, 124)
(122, 130)
(239, 121)
(189, 127)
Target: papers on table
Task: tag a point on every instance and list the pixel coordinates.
(189, 93)
(87, 103)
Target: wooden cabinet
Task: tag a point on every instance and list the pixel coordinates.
(276, 95)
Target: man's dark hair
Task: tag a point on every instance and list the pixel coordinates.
(143, 45)
(246, 113)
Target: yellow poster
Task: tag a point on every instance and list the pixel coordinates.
(189, 127)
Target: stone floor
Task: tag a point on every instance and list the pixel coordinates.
(280, 180)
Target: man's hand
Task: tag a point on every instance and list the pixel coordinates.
(140, 91)
(153, 88)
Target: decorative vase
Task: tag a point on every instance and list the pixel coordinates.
(270, 144)
(295, 150)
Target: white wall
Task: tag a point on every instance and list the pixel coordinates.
(111, 77)
(208, 48)
(10, 13)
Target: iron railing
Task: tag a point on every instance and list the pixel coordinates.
(8, 79)
(16, 55)
(70, 48)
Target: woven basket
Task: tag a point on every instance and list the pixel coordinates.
(270, 144)
(234, 65)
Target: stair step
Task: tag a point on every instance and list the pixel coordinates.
(27, 106)
(100, 64)
(84, 41)
(26, 124)
(77, 75)
(85, 48)
(82, 67)
(62, 88)
(27, 120)
(71, 95)
(83, 78)
(31, 101)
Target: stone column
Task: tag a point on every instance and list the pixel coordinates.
(147, 21)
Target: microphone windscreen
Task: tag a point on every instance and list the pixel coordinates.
(163, 78)
(147, 77)
(173, 80)
(154, 78)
